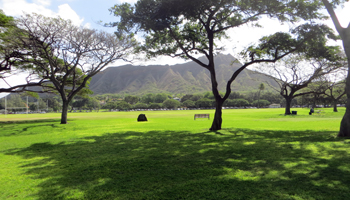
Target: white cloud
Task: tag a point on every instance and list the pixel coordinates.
(43, 2)
(66, 12)
(18, 7)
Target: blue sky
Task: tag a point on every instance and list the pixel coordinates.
(81, 12)
(89, 12)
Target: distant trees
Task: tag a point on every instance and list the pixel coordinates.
(160, 98)
(140, 106)
(204, 102)
(147, 98)
(85, 103)
(171, 104)
(67, 55)
(193, 101)
(260, 103)
(189, 104)
(131, 99)
(335, 84)
(237, 103)
(297, 71)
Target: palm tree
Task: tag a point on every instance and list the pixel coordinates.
(261, 87)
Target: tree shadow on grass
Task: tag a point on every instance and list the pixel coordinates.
(179, 165)
(29, 127)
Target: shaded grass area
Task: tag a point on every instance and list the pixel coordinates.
(167, 164)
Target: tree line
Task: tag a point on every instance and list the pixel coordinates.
(257, 99)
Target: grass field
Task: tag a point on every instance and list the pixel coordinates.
(259, 154)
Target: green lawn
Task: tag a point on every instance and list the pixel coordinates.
(259, 154)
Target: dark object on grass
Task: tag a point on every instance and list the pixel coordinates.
(142, 118)
(311, 111)
(294, 112)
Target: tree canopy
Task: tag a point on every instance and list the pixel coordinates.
(10, 62)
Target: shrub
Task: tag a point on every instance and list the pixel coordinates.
(189, 104)
(155, 106)
(204, 102)
(171, 103)
(261, 103)
(140, 106)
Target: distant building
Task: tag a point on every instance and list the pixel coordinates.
(177, 99)
(274, 105)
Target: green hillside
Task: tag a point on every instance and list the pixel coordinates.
(184, 78)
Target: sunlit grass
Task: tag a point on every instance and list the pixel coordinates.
(259, 154)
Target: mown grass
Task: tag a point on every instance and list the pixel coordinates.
(260, 154)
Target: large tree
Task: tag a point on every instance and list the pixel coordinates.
(182, 28)
(296, 72)
(345, 36)
(67, 55)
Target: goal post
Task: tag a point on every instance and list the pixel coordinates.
(15, 108)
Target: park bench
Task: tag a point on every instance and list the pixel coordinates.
(319, 111)
(201, 116)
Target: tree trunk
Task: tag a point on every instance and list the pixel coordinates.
(345, 123)
(288, 105)
(335, 108)
(217, 117)
(259, 99)
(345, 36)
(64, 113)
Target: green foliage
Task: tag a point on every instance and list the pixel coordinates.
(272, 97)
(189, 104)
(196, 97)
(204, 102)
(155, 106)
(110, 105)
(262, 86)
(123, 105)
(209, 95)
(131, 99)
(236, 103)
(160, 97)
(307, 39)
(140, 106)
(186, 97)
(261, 103)
(169, 33)
(33, 107)
(171, 104)
(53, 103)
(147, 98)
(235, 95)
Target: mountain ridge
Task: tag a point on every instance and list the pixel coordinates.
(183, 78)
